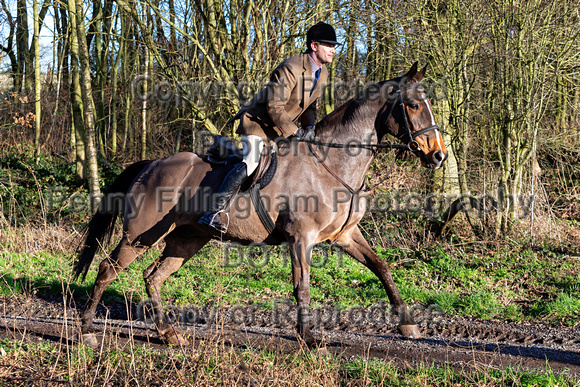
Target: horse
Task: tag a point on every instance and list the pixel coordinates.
(154, 192)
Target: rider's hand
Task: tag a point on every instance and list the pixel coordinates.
(306, 134)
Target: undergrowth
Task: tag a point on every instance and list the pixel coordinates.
(215, 363)
(45, 189)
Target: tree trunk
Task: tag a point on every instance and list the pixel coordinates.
(23, 53)
(97, 33)
(114, 96)
(9, 49)
(77, 125)
(144, 107)
(329, 102)
(88, 104)
(37, 84)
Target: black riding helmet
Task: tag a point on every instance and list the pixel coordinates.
(321, 32)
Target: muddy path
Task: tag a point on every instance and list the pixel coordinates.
(365, 332)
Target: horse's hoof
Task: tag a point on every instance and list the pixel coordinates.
(308, 339)
(410, 331)
(173, 336)
(90, 339)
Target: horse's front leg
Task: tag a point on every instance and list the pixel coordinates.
(355, 245)
(301, 254)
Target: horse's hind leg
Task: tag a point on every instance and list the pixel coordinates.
(178, 249)
(109, 268)
(355, 245)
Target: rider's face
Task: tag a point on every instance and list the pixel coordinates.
(322, 53)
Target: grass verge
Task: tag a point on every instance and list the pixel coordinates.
(214, 363)
(514, 284)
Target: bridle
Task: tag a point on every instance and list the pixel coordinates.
(412, 145)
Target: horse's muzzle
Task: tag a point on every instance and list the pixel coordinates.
(436, 159)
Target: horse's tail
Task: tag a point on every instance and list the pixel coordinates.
(100, 228)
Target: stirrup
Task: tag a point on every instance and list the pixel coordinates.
(216, 224)
(223, 227)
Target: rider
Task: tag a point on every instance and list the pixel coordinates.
(292, 92)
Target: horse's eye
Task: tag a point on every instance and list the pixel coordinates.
(413, 106)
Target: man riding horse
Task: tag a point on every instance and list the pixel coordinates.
(292, 92)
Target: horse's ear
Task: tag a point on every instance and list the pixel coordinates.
(419, 76)
(412, 71)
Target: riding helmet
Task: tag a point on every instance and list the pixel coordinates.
(321, 32)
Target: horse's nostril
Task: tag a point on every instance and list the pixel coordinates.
(438, 156)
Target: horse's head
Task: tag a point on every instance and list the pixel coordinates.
(410, 118)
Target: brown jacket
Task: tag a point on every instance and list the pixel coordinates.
(273, 111)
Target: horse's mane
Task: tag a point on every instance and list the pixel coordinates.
(356, 109)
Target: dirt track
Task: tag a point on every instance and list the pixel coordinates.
(460, 342)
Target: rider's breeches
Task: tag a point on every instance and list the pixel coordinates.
(252, 149)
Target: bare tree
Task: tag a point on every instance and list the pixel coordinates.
(37, 85)
(76, 8)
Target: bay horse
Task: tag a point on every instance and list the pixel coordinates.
(153, 191)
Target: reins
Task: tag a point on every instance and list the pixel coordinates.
(372, 147)
(321, 162)
(353, 192)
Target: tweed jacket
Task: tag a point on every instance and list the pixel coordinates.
(285, 99)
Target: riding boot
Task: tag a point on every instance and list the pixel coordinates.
(228, 189)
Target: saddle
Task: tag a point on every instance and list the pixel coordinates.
(224, 153)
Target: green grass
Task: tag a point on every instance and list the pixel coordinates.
(505, 284)
(206, 278)
(378, 372)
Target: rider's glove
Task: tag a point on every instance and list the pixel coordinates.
(306, 134)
